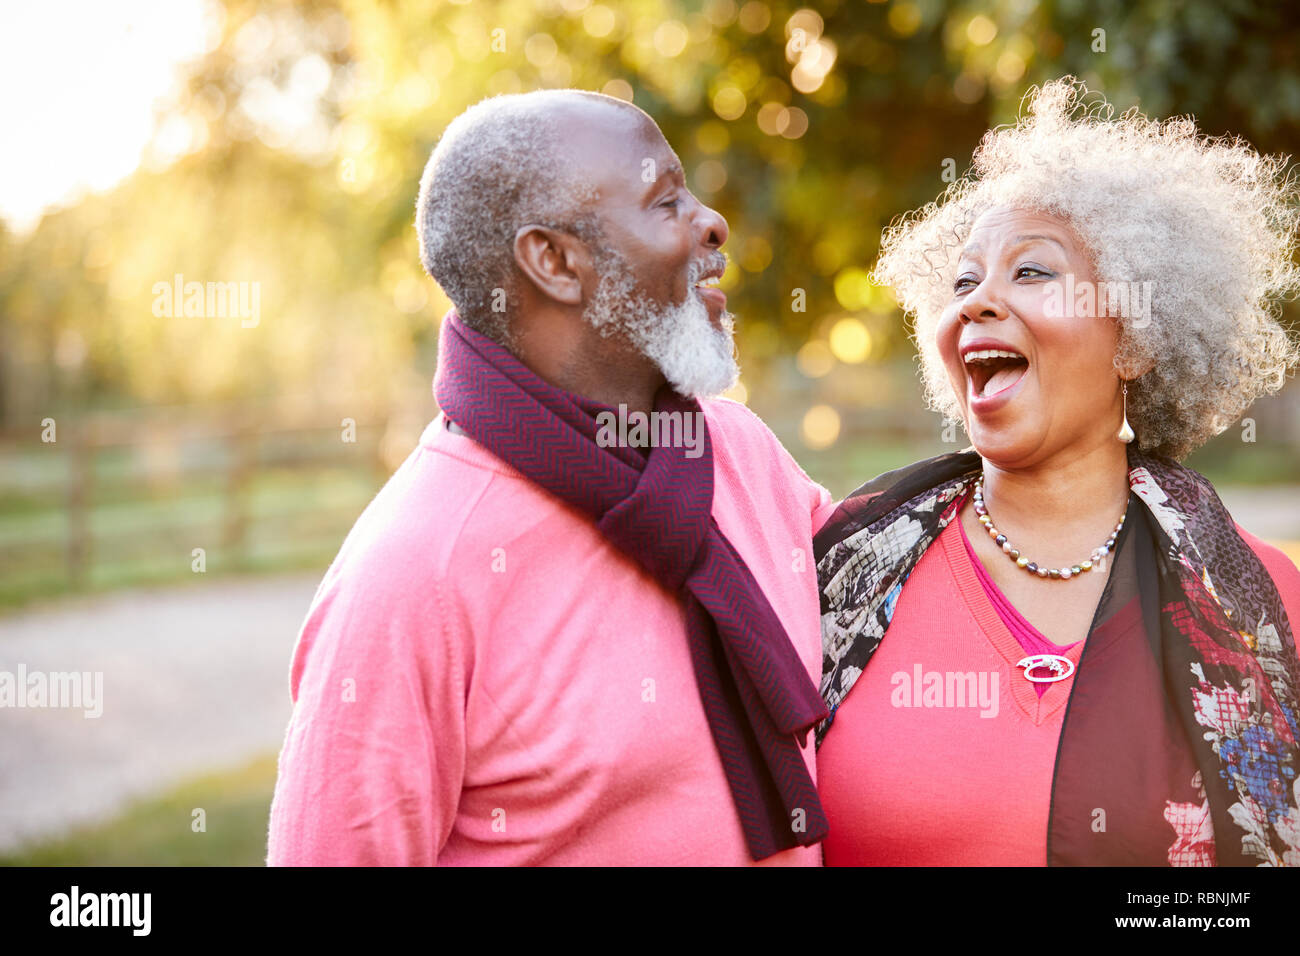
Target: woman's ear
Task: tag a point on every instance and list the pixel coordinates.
(1135, 368)
(554, 261)
(1131, 366)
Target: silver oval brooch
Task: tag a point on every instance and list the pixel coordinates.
(1061, 667)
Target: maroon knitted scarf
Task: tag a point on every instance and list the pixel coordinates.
(657, 509)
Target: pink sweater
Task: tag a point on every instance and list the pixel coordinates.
(483, 679)
(968, 784)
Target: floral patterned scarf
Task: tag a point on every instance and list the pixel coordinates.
(1213, 687)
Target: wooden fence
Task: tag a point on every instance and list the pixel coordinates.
(149, 463)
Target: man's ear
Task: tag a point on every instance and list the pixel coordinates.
(554, 261)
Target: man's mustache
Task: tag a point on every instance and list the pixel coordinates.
(716, 261)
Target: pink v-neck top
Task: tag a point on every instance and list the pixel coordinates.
(1032, 640)
(921, 768)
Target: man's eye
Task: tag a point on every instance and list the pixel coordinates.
(671, 202)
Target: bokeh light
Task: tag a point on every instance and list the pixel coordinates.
(820, 427)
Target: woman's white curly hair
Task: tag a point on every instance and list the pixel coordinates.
(1210, 222)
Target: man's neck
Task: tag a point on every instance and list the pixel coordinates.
(582, 361)
(634, 396)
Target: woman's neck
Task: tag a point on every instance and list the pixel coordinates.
(1064, 507)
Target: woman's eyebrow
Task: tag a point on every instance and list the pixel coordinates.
(1021, 240)
(975, 249)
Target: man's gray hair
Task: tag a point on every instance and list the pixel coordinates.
(498, 166)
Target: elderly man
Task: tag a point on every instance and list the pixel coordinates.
(579, 624)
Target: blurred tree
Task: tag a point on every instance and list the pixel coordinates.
(293, 157)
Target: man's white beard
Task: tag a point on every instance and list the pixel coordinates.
(697, 358)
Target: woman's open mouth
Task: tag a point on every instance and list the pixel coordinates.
(992, 371)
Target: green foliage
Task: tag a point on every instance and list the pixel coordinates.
(310, 123)
(158, 831)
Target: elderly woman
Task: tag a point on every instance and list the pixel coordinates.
(1058, 647)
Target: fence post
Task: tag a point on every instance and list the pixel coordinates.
(80, 476)
(243, 450)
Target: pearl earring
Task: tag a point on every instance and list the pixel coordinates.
(1125, 430)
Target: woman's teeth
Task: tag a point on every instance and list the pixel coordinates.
(991, 353)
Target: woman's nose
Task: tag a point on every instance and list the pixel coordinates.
(982, 302)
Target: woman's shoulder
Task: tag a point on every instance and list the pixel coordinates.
(1280, 568)
(1285, 575)
(887, 492)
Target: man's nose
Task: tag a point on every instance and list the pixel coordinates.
(713, 227)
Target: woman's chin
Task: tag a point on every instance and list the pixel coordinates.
(1007, 446)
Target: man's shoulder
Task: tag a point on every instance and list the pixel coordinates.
(449, 495)
(730, 413)
(752, 458)
(736, 429)
(745, 438)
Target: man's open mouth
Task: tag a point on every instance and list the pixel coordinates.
(710, 279)
(706, 287)
(994, 370)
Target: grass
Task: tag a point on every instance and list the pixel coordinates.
(157, 831)
(142, 535)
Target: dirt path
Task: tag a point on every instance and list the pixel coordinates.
(194, 679)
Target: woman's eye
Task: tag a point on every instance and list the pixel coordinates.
(670, 203)
(963, 283)
(1031, 269)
